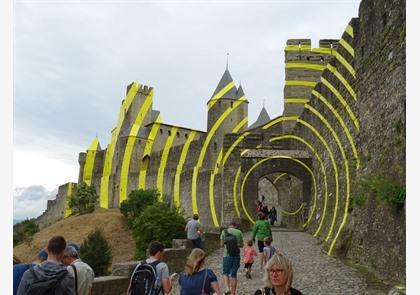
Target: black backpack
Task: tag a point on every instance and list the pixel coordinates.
(231, 244)
(45, 286)
(143, 280)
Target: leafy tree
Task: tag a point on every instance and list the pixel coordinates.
(157, 222)
(24, 231)
(96, 252)
(136, 202)
(84, 200)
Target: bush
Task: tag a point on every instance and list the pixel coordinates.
(24, 231)
(356, 200)
(136, 202)
(84, 200)
(157, 222)
(96, 252)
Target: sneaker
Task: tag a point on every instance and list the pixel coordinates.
(227, 293)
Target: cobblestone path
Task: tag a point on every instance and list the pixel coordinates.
(314, 272)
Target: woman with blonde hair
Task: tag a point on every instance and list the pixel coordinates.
(197, 279)
(278, 277)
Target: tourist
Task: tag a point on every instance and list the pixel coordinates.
(261, 230)
(265, 210)
(162, 283)
(249, 253)
(44, 276)
(20, 268)
(81, 271)
(197, 279)
(193, 232)
(272, 214)
(268, 250)
(231, 240)
(278, 277)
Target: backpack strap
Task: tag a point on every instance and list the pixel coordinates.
(75, 277)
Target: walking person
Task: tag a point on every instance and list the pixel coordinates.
(50, 273)
(268, 250)
(197, 279)
(278, 277)
(82, 273)
(20, 268)
(272, 214)
(193, 232)
(231, 240)
(151, 275)
(249, 253)
(261, 230)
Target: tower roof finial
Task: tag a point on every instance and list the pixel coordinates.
(227, 61)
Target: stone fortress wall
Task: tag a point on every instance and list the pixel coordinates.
(344, 119)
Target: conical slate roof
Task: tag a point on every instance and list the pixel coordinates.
(262, 119)
(240, 93)
(224, 81)
(94, 146)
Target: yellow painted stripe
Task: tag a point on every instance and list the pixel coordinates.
(109, 155)
(277, 157)
(297, 48)
(211, 187)
(180, 165)
(342, 101)
(90, 160)
(259, 146)
(331, 155)
(131, 142)
(343, 125)
(342, 80)
(209, 136)
(232, 147)
(219, 94)
(346, 167)
(296, 100)
(324, 173)
(346, 64)
(163, 161)
(68, 197)
(349, 30)
(278, 120)
(300, 83)
(305, 65)
(292, 213)
(281, 175)
(148, 150)
(235, 186)
(240, 125)
(324, 50)
(347, 46)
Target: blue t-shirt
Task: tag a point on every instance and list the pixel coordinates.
(18, 270)
(193, 284)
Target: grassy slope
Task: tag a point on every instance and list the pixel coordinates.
(76, 229)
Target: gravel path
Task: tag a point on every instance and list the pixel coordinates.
(314, 272)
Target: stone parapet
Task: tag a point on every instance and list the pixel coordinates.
(110, 285)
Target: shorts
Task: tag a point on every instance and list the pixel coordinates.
(261, 246)
(231, 265)
(197, 243)
(248, 265)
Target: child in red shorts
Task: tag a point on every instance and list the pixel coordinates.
(249, 253)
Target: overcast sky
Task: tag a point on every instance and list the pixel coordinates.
(74, 59)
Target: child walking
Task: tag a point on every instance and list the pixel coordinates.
(249, 253)
(268, 250)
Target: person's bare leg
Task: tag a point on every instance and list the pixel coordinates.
(227, 283)
(261, 261)
(233, 284)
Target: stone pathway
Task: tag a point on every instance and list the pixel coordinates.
(314, 272)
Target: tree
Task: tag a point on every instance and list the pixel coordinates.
(96, 252)
(84, 200)
(157, 222)
(136, 202)
(24, 231)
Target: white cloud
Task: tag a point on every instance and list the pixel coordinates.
(30, 202)
(32, 168)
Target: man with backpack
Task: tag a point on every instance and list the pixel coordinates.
(231, 239)
(49, 277)
(151, 276)
(20, 268)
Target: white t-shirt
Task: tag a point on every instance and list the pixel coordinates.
(85, 276)
(192, 229)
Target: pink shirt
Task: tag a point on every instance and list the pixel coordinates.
(249, 253)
